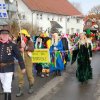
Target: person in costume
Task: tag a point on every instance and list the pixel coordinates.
(57, 64)
(65, 52)
(46, 40)
(26, 47)
(46, 45)
(83, 53)
(38, 66)
(8, 51)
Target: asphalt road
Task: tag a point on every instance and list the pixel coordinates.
(71, 89)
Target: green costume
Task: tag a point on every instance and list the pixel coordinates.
(84, 70)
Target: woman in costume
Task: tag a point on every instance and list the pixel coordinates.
(57, 63)
(66, 52)
(84, 56)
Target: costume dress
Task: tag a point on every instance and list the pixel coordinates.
(56, 59)
(84, 70)
(65, 50)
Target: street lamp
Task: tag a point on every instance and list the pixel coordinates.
(11, 1)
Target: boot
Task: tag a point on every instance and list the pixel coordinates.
(20, 93)
(55, 73)
(7, 96)
(58, 73)
(38, 74)
(30, 89)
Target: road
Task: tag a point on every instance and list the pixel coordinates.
(65, 87)
(71, 89)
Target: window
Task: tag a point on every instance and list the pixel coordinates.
(40, 16)
(23, 17)
(52, 18)
(68, 19)
(78, 20)
(19, 15)
(37, 16)
(67, 30)
(72, 30)
(78, 31)
(48, 30)
(60, 18)
(40, 29)
(48, 18)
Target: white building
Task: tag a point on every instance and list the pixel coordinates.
(42, 12)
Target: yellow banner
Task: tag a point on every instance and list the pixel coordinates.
(41, 56)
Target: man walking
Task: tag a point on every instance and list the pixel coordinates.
(8, 51)
(26, 47)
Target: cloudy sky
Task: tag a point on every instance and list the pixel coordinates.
(86, 5)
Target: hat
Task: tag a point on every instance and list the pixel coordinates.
(24, 31)
(3, 31)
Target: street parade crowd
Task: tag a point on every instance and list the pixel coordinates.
(62, 48)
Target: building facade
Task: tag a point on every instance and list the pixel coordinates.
(42, 17)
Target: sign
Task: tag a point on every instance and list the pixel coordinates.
(41, 56)
(3, 11)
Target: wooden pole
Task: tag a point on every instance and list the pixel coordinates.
(19, 23)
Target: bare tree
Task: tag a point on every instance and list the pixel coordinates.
(94, 13)
(31, 29)
(95, 10)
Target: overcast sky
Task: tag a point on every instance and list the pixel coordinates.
(86, 5)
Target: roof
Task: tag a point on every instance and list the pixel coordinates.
(62, 7)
